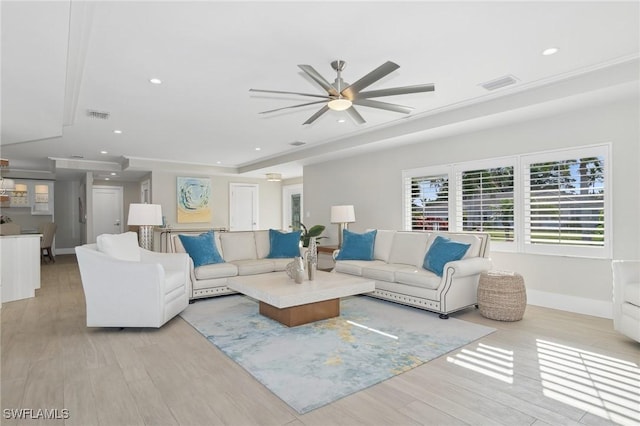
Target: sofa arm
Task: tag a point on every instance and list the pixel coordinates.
(471, 266)
(169, 261)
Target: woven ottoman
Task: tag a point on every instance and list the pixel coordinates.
(502, 295)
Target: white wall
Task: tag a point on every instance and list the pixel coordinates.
(373, 184)
(269, 202)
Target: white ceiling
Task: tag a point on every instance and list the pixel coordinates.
(62, 58)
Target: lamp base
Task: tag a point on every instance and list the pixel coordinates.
(341, 228)
(145, 237)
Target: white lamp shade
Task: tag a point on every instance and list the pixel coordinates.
(145, 214)
(342, 214)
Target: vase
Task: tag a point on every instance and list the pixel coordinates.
(312, 258)
(295, 270)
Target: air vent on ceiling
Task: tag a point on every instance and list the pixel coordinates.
(499, 83)
(298, 143)
(77, 157)
(100, 115)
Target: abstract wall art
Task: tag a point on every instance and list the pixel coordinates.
(194, 200)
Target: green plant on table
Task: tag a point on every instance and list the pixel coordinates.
(314, 231)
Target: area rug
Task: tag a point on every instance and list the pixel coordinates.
(315, 364)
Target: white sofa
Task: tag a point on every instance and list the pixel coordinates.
(626, 297)
(132, 287)
(244, 253)
(399, 275)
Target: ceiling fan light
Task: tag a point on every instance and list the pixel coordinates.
(339, 104)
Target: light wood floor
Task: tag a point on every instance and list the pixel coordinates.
(552, 367)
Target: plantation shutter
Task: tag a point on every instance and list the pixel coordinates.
(485, 201)
(565, 202)
(427, 202)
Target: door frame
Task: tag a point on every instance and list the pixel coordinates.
(256, 197)
(287, 192)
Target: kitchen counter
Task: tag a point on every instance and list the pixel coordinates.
(20, 274)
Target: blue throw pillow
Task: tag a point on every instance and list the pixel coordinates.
(357, 246)
(443, 250)
(283, 244)
(201, 248)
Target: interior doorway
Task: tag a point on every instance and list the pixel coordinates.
(292, 206)
(243, 207)
(107, 210)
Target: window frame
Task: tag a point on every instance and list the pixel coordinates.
(520, 164)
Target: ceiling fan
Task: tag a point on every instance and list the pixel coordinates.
(342, 96)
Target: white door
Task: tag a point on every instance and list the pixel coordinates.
(291, 206)
(107, 210)
(243, 207)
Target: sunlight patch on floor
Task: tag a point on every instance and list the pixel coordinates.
(488, 360)
(601, 385)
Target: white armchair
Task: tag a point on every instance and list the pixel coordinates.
(128, 286)
(626, 297)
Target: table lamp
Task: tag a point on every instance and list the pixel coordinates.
(146, 216)
(342, 215)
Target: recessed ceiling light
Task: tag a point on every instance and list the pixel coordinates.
(341, 120)
(155, 81)
(218, 162)
(113, 173)
(103, 152)
(258, 149)
(117, 132)
(106, 178)
(550, 51)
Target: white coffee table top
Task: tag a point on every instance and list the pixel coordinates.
(278, 290)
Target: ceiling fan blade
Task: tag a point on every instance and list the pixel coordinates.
(292, 106)
(315, 75)
(289, 93)
(315, 116)
(418, 88)
(383, 105)
(375, 75)
(355, 115)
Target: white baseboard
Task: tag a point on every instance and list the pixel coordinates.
(579, 305)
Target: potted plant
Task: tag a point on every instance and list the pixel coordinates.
(314, 231)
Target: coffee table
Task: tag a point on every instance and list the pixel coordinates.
(292, 304)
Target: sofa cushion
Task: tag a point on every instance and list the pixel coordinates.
(385, 272)
(409, 248)
(238, 246)
(201, 248)
(280, 264)
(262, 243)
(418, 278)
(255, 266)
(472, 240)
(442, 251)
(357, 246)
(120, 246)
(283, 244)
(216, 270)
(382, 246)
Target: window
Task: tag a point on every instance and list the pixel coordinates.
(553, 202)
(565, 202)
(426, 201)
(485, 202)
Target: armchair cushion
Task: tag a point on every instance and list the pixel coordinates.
(357, 246)
(284, 244)
(442, 251)
(120, 246)
(201, 248)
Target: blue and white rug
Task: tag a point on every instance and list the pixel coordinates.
(315, 364)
